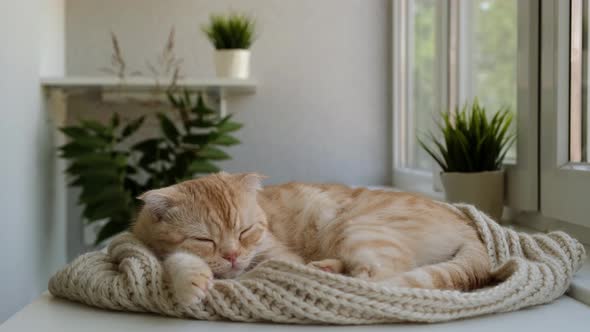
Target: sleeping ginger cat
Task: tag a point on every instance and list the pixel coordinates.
(224, 224)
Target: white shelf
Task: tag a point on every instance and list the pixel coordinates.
(112, 88)
(214, 85)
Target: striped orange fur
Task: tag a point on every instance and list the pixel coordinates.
(229, 223)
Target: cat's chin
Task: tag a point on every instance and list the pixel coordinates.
(233, 273)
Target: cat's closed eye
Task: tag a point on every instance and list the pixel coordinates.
(246, 230)
(203, 239)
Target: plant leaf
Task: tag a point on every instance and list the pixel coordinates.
(74, 132)
(148, 146)
(202, 166)
(431, 152)
(201, 108)
(168, 128)
(115, 120)
(197, 139)
(228, 126)
(213, 153)
(132, 127)
(226, 140)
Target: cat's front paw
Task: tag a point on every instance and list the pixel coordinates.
(328, 265)
(365, 271)
(190, 277)
(192, 285)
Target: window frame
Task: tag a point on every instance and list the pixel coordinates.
(522, 176)
(565, 184)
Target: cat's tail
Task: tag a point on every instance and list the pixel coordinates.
(469, 269)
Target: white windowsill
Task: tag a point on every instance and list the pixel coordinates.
(52, 315)
(417, 181)
(580, 286)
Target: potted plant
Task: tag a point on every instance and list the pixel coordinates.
(470, 153)
(232, 36)
(111, 171)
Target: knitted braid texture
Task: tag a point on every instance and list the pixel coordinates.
(533, 269)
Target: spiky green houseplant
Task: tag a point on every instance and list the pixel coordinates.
(233, 31)
(231, 35)
(111, 173)
(470, 152)
(470, 142)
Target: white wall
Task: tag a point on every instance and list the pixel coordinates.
(321, 112)
(30, 245)
(53, 46)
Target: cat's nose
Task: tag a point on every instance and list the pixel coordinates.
(231, 257)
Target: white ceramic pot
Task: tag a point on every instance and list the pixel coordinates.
(485, 190)
(232, 63)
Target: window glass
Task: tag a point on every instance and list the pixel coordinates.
(421, 90)
(493, 50)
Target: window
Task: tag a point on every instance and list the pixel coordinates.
(445, 54)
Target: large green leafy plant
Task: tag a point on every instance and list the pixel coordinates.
(234, 31)
(112, 173)
(470, 141)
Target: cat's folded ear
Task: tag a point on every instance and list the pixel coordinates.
(158, 201)
(251, 181)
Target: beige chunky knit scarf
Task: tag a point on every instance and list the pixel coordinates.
(533, 269)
